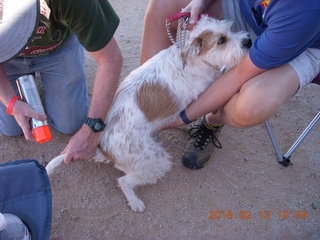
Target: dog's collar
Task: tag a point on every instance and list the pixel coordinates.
(220, 69)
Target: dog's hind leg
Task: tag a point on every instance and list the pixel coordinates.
(147, 173)
(127, 184)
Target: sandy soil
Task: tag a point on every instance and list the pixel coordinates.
(243, 176)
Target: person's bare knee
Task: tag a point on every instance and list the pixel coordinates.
(246, 114)
(153, 9)
(261, 97)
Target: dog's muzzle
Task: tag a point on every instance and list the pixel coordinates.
(246, 42)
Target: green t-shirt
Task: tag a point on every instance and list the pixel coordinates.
(94, 22)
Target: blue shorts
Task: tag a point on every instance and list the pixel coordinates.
(63, 77)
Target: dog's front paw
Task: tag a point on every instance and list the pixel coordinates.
(137, 205)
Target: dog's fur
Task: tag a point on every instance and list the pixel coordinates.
(153, 95)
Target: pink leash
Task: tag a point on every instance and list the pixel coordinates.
(177, 16)
(183, 21)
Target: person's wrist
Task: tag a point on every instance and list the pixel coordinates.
(96, 124)
(87, 130)
(184, 117)
(11, 104)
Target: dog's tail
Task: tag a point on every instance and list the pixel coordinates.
(54, 164)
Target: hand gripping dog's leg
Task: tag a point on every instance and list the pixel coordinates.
(54, 164)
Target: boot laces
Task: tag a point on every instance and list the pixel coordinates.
(204, 136)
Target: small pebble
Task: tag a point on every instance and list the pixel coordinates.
(74, 218)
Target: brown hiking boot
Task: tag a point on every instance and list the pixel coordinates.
(198, 151)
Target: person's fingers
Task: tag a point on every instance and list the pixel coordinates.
(71, 158)
(68, 158)
(24, 123)
(26, 110)
(26, 129)
(33, 114)
(39, 116)
(195, 13)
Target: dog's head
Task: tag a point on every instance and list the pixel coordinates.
(211, 41)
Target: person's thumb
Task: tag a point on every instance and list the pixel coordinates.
(39, 116)
(30, 112)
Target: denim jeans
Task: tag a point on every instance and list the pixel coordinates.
(65, 87)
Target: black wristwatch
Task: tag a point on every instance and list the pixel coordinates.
(96, 124)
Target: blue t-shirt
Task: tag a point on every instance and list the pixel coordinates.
(285, 28)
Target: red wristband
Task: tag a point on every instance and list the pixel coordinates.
(11, 104)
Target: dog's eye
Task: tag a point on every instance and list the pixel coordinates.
(222, 40)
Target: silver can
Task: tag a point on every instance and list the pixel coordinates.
(29, 93)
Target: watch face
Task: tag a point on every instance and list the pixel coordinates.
(98, 126)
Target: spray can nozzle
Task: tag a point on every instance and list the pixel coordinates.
(29, 93)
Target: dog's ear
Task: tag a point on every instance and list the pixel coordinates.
(200, 45)
(204, 42)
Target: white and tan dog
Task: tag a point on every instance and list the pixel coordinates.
(154, 94)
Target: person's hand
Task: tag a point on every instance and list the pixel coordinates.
(196, 8)
(82, 146)
(23, 112)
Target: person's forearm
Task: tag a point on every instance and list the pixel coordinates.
(105, 85)
(223, 89)
(215, 96)
(106, 80)
(6, 90)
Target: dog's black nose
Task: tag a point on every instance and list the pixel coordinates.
(246, 42)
